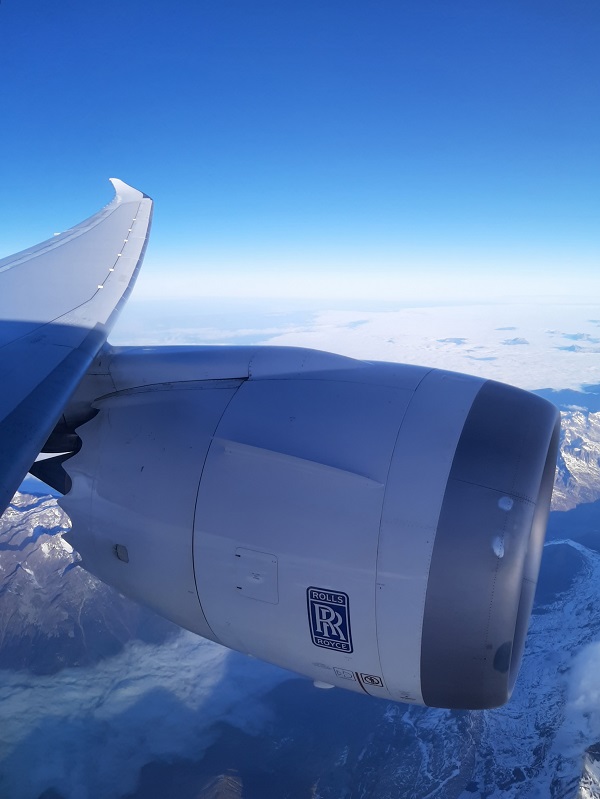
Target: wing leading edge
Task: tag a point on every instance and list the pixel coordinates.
(58, 303)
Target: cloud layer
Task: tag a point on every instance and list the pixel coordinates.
(87, 732)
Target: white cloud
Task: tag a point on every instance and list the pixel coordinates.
(529, 345)
(86, 732)
(582, 711)
(467, 338)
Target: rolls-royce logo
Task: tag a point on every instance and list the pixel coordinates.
(329, 617)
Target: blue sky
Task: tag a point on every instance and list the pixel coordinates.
(390, 150)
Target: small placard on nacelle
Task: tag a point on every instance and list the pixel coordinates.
(256, 575)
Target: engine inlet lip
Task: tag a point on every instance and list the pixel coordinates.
(533, 557)
(487, 549)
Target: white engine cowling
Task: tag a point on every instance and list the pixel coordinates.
(373, 526)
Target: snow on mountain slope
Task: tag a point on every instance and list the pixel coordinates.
(53, 614)
(589, 786)
(578, 468)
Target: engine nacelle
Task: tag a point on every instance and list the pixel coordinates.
(373, 526)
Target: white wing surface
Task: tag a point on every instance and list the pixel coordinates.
(58, 302)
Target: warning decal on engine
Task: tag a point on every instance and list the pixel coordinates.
(345, 674)
(371, 679)
(329, 618)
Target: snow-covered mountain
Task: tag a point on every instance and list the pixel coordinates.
(101, 698)
(578, 468)
(52, 613)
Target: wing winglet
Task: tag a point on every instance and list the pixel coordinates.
(126, 193)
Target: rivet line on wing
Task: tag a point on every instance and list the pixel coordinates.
(119, 254)
(107, 211)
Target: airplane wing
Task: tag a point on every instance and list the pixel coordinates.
(58, 302)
